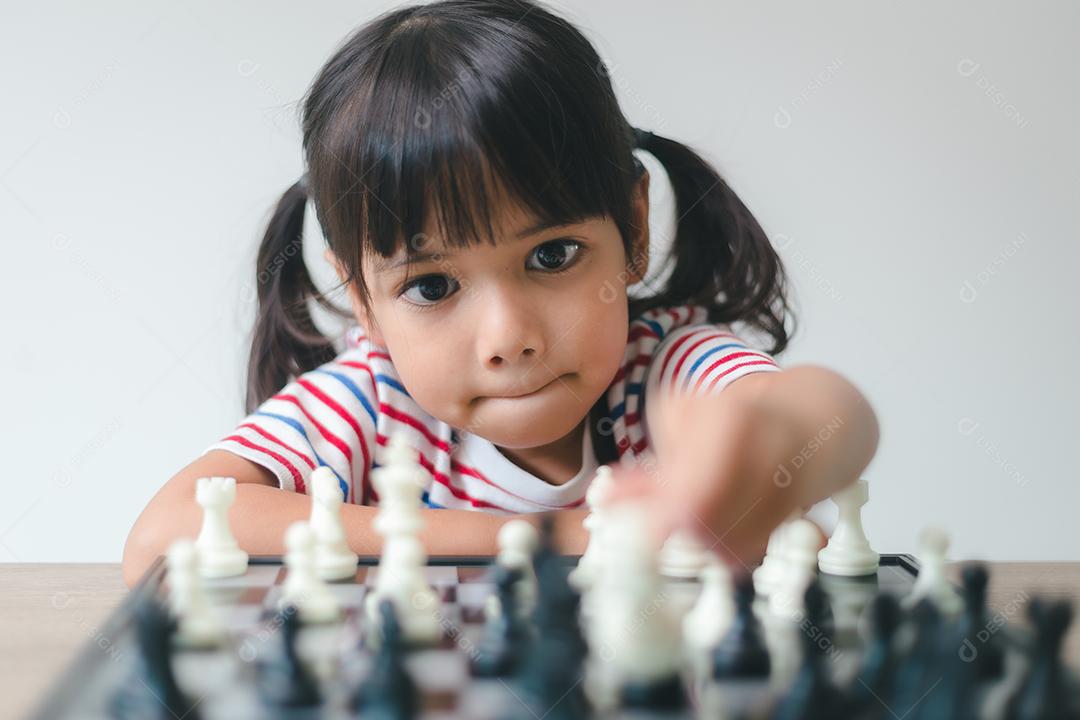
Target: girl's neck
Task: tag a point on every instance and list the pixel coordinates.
(555, 463)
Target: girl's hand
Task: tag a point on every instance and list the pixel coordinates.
(722, 471)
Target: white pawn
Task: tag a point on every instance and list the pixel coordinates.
(848, 552)
(801, 544)
(219, 554)
(711, 616)
(517, 541)
(401, 579)
(931, 582)
(197, 624)
(333, 558)
(770, 573)
(400, 484)
(683, 555)
(303, 588)
(597, 498)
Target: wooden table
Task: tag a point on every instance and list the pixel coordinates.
(47, 612)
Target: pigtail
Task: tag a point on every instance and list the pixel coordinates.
(285, 341)
(722, 258)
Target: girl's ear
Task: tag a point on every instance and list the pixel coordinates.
(638, 262)
(365, 319)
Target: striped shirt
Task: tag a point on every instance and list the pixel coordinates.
(342, 414)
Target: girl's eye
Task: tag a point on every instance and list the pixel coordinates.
(428, 290)
(557, 255)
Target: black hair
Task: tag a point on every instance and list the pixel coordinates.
(452, 107)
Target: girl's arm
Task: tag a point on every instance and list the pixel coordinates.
(262, 512)
(733, 465)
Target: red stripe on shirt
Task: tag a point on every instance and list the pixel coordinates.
(690, 350)
(330, 437)
(274, 439)
(736, 367)
(444, 480)
(343, 414)
(298, 479)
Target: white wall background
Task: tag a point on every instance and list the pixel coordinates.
(917, 164)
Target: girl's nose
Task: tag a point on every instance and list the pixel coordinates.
(509, 334)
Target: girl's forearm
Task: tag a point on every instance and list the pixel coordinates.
(260, 515)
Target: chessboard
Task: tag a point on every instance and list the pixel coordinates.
(241, 677)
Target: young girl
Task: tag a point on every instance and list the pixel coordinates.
(476, 183)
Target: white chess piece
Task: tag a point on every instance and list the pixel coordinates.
(517, 541)
(711, 616)
(801, 543)
(848, 552)
(401, 579)
(634, 630)
(683, 555)
(596, 498)
(400, 576)
(931, 582)
(303, 588)
(333, 558)
(770, 573)
(197, 623)
(219, 554)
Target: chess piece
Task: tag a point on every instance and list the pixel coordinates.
(596, 498)
(742, 652)
(402, 580)
(1043, 693)
(400, 576)
(501, 646)
(389, 691)
(920, 667)
(848, 552)
(517, 541)
(303, 587)
(219, 554)
(713, 612)
(197, 624)
(770, 573)
(875, 675)
(801, 544)
(333, 558)
(812, 695)
(931, 582)
(683, 555)
(153, 692)
(282, 678)
(635, 627)
(985, 651)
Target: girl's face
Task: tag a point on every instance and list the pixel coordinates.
(513, 342)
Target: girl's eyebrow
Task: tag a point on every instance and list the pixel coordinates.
(381, 264)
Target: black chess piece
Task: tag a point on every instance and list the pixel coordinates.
(389, 692)
(919, 667)
(742, 653)
(812, 695)
(501, 647)
(153, 692)
(980, 646)
(550, 673)
(1042, 695)
(875, 675)
(282, 678)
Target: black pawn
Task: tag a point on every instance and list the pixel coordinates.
(551, 672)
(501, 647)
(282, 678)
(980, 645)
(919, 668)
(812, 695)
(1042, 694)
(153, 692)
(389, 692)
(875, 676)
(742, 652)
